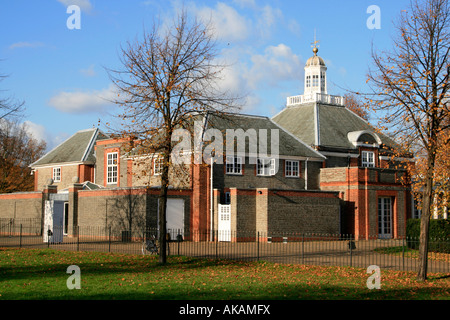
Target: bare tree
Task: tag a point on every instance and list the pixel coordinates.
(168, 77)
(9, 107)
(410, 87)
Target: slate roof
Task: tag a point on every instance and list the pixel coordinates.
(325, 125)
(78, 148)
(289, 144)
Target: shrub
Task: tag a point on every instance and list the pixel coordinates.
(439, 235)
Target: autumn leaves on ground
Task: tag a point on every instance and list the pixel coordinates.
(42, 274)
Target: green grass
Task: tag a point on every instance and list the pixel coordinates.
(413, 253)
(41, 274)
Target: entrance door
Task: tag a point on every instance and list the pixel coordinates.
(224, 222)
(53, 221)
(385, 218)
(174, 217)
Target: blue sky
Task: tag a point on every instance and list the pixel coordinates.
(60, 73)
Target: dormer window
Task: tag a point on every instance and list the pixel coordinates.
(368, 159)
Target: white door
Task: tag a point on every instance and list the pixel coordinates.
(53, 221)
(175, 217)
(224, 222)
(385, 218)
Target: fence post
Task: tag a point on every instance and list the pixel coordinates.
(258, 247)
(78, 238)
(403, 255)
(216, 238)
(109, 239)
(10, 227)
(351, 250)
(303, 248)
(20, 237)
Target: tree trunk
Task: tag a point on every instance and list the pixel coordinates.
(425, 221)
(162, 210)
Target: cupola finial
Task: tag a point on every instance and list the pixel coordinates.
(314, 44)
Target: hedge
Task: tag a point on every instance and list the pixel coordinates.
(439, 234)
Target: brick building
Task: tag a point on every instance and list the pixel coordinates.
(359, 160)
(315, 167)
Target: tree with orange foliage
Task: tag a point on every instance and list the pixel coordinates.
(410, 87)
(441, 189)
(17, 151)
(353, 103)
(167, 77)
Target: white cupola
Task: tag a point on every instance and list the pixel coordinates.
(315, 83)
(315, 74)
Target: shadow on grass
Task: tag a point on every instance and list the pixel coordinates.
(55, 262)
(266, 292)
(41, 275)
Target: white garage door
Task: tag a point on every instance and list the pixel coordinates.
(175, 217)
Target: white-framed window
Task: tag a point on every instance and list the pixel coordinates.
(322, 81)
(315, 82)
(368, 159)
(308, 81)
(385, 217)
(265, 167)
(111, 170)
(57, 174)
(234, 165)
(291, 168)
(158, 165)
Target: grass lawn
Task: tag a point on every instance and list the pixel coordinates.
(42, 275)
(413, 253)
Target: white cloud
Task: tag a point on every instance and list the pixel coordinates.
(294, 27)
(250, 74)
(40, 133)
(89, 72)
(37, 131)
(245, 3)
(269, 16)
(278, 63)
(228, 24)
(83, 101)
(25, 44)
(85, 5)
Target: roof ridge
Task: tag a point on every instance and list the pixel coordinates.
(90, 143)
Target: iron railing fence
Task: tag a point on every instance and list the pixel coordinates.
(11, 226)
(287, 248)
